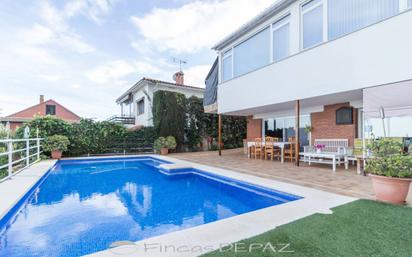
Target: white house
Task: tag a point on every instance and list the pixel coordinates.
(335, 63)
(136, 103)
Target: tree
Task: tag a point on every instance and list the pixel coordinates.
(169, 115)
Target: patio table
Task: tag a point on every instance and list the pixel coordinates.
(281, 145)
(326, 158)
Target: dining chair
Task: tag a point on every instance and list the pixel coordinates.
(289, 153)
(258, 148)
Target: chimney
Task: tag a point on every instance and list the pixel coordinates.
(179, 78)
(41, 99)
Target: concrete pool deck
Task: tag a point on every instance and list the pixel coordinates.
(204, 238)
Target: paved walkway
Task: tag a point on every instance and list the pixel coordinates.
(345, 182)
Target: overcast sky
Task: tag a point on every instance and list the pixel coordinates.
(85, 53)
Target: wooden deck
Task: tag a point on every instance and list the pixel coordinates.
(345, 182)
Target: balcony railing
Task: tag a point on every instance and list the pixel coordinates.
(18, 154)
(126, 120)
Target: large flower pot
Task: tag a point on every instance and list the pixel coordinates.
(164, 151)
(390, 190)
(56, 154)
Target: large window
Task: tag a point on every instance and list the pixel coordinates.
(227, 66)
(50, 109)
(409, 3)
(284, 128)
(312, 22)
(140, 107)
(346, 16)
(252, 54)
(281, 39)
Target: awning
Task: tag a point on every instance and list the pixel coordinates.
(210, 96)
(395, 99)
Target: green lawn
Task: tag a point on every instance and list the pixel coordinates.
(359, 229)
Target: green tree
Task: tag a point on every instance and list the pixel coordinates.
(169, 115)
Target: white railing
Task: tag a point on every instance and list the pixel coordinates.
(28, 150)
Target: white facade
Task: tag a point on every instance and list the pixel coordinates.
(334, 70)
(144, 90)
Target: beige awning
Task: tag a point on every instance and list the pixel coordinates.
(395, 99)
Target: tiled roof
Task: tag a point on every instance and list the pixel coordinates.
(155, 81)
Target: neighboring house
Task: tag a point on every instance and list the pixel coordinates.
(136, 103)
(43, 108)
(339, 64)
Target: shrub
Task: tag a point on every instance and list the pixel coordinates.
(165, 142)
(160, 143)
(171, 142)
(388, 159)
(56, 143)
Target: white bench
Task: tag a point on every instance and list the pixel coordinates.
(334, 153)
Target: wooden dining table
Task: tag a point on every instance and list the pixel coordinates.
(281, 145)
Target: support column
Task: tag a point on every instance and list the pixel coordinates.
(297, 134)
(220, 135)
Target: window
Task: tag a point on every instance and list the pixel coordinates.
(50, 109)
(312, 22)
(344, 116)
(284, 128)
(252, 54)
(227, 66)
(140, 107)
(409, 3)
(281, 39)
(350, 15)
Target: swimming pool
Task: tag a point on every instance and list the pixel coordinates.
(83, 206)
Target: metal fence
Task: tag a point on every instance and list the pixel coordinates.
(18, 154)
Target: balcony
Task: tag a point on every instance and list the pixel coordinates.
(125, 120)
(376, 55)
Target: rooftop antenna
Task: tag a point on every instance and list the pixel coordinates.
(180, 61)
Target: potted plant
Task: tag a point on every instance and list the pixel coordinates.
(390, 169)
(163, 144)
(319, 148)
(56, 145)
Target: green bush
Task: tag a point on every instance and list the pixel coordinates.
(56, 143)
(388, 159)
(165, 142)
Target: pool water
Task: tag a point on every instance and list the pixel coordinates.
(84, 206)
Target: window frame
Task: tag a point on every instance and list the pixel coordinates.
(267, 27)
(279, 23)
(225, 55)
(138, 102)
(54, 108)
(302, 12)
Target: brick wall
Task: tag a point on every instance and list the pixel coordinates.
(254, 128)
(324, 124)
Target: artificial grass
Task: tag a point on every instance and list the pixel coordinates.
(359, 229)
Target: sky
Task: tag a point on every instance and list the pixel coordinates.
(86, 53)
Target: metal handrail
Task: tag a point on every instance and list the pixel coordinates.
(11, 164)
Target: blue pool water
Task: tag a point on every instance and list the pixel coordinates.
(84, 206)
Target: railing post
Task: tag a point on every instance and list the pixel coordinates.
(38, 148)
(27, 152)
(10, 150)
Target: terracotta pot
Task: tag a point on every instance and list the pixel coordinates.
(390, 190)
(56, 154)
(164, 151)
